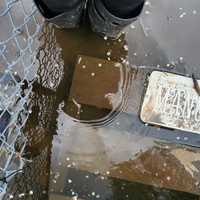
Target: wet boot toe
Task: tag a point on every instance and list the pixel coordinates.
(105, 22)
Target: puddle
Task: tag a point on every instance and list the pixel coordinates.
(85, 139)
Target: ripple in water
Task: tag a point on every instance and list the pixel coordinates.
(118, 101)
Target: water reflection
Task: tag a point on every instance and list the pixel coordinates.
(85, 185)
(79, 150)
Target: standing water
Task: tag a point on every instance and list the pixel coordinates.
(84, 136)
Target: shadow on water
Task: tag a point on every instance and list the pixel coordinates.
(84, 141)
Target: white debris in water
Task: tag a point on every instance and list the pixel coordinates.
(87, 176)
(100, 65)
(178, 138)
(21, 195)
(132, 26)
(30, 192)
(167, 147)
(182, 15)
(97, 172)
(197, 183)
(147, 12)
(194, 12)
(98, 196)
(135, 54)
(57, 175)
(11, 196)
(69, 181)
(108, 53)
(6, 88)
(105, 38)
(126, 47)
(118, 64)
(54, 181)
(67, 159)
(147, 3)
(168, 178)
(156, 174)
(181, 59)
(108, 173)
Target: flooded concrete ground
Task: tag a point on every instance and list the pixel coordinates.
(85, 137)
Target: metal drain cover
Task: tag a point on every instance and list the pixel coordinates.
(172, 102)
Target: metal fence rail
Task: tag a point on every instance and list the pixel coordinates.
(20, 25)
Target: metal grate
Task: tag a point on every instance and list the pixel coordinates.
(20, 25)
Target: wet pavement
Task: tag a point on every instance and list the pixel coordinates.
(85, 137)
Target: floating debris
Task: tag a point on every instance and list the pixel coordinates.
(126, 47)
(183, 15)
(69, 181)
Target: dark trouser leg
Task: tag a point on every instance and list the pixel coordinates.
(124, 8)
(110, 17)
(64, 13)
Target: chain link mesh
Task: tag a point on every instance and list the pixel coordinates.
(49, 58)
(32, 182)
(20, 25)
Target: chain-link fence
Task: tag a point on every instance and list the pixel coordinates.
(33, 182)
(20, 25)
(40, 123)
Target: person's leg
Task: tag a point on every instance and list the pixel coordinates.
(64, 13)
(124, 8)
(61, 6)
(110, 17)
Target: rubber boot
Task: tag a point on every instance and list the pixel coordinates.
(110, 17)
(63, 13)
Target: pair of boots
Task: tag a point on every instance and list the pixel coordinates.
(107, 17)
